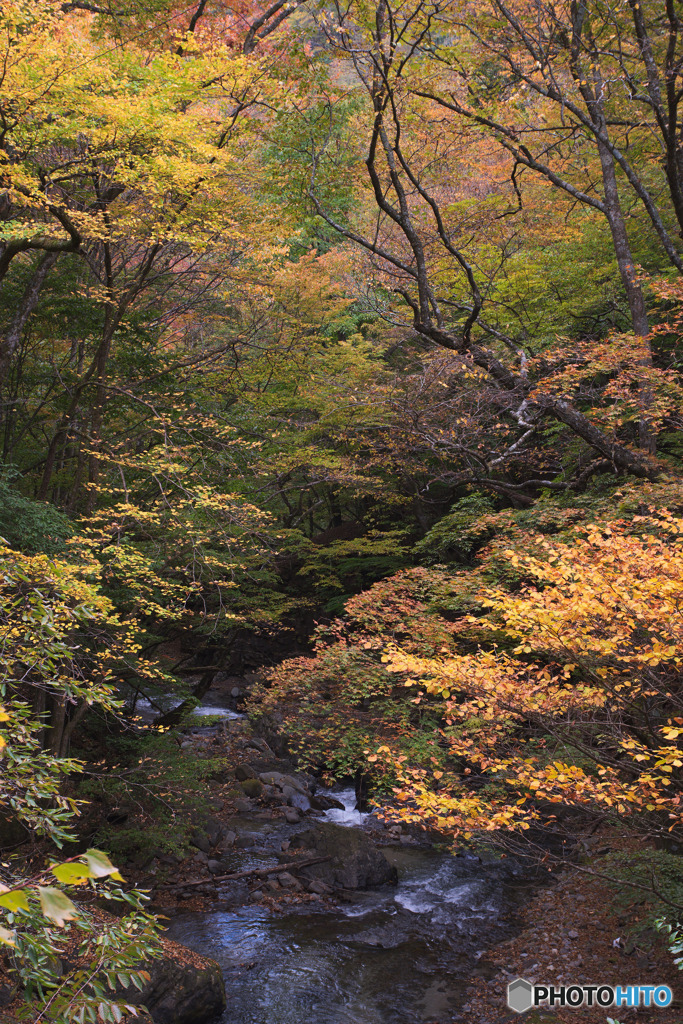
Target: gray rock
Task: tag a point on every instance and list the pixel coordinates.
(280, 780)
(292, 815)
(214, 830)
(353, 863)
(243, 806)
(288, 881)
(244, 771)
(227, 840)
(235, 692)
(319, 887)
(320, 802)
(272, 795)
(215, 867)
(247, 840)
(301, 801)
(201, 841)
(257, 743)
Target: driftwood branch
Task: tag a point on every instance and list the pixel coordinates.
(258, 872)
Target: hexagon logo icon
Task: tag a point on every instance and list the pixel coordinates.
(520, 995)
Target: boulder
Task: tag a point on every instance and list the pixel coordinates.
(247, 840)
(300, 801)
(269, 726)
(354, 863)
(318, 887)
(258, 743)
(201, 842)
(244, 771)
(206, 826)
(320, 802)
(227, 840)
(288, 881)
(184, 988)
(280, 780)
(272, 795)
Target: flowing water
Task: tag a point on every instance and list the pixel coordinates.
(399, 954)
(349, 816)
(211, 705)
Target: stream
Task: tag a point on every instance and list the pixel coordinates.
(398, 954)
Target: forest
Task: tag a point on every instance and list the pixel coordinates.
(341, 394)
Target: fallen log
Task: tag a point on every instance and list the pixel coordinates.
(258, 872)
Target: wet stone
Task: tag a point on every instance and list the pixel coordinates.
(288, 881)
(201, 842)
(247, 840)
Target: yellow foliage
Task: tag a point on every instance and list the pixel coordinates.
(598, 649)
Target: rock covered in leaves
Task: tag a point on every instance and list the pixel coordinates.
(184, 988)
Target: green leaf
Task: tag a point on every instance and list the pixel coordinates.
(74, 873)
(100, 865)
(56, 905)
(14, 900)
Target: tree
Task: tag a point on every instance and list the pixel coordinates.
(36, 902)
(419, 244)
(546, 672)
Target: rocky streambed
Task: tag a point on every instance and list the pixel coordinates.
(399, 952)
(319, 913)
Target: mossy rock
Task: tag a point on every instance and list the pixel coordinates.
(252, 788)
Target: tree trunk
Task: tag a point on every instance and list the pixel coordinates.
(29, 301)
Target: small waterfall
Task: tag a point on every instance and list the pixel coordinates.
(349, 816)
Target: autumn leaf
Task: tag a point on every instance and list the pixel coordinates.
(56, 906)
